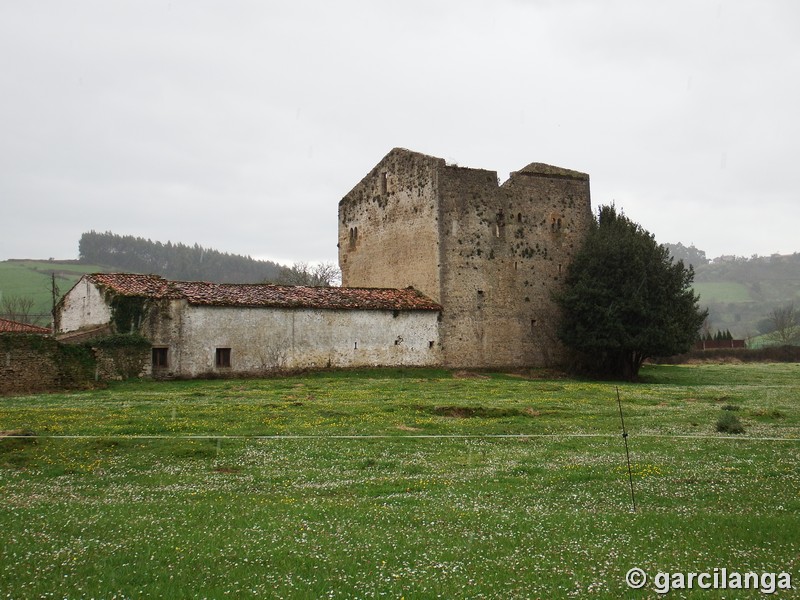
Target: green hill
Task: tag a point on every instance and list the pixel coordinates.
(33, 279)
(740, 293)
(108, 252)
(723, 291)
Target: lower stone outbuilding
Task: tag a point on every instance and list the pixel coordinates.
(201, 329)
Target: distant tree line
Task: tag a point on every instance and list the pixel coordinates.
(181, 262)
(720, 336)
(690, 255)
(173, 261)
(753, 270)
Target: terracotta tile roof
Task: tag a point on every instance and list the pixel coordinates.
(130, 284)
(265, 295)
(298, 296)
(7, 326)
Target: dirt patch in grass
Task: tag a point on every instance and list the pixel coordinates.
(469, 412)
(13, 446)
(770, 414)
(538, 374)
(469, 375)
(403, 427)
(16, 433)
(228, 470)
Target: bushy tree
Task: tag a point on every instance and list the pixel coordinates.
(624, 299)
(785, 325)
(17, 308)
(689, 255)
(301, 273)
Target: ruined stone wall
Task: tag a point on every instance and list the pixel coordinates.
(548, 218)
(116, 360)
(388, 232)
(504, 253)
(491, 255)
(478, 314)
(34, 363)
(264, 340)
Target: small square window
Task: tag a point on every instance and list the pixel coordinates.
(223, 358)
(160, 358)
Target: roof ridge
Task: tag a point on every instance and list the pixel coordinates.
(274, 295)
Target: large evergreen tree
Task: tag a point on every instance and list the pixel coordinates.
(625, 300)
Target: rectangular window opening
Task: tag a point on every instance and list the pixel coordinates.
(223, 358)
(160, 356)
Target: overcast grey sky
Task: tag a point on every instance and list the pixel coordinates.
(239, 125)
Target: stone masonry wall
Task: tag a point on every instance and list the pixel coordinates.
(388, 232)
(505, 252)
(478, 320)
(497, 256)
(34, 363)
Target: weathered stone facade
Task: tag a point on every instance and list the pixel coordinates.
(34, 363)
(492, 255)
(262, 340)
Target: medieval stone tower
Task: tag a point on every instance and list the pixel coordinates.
(491, 255)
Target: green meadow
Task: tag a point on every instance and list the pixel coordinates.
(33, 279)
(401, 484)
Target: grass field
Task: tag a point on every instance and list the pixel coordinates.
(33, 279)
(722, 291)
(400, 484)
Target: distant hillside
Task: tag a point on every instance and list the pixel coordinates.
(173, 261)
(33, 279)
(740, 292)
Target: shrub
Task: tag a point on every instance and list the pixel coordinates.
(729, 423)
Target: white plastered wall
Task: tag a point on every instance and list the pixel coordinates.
(83, 307)
(266, 339)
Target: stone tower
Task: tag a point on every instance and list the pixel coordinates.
(492, 255)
